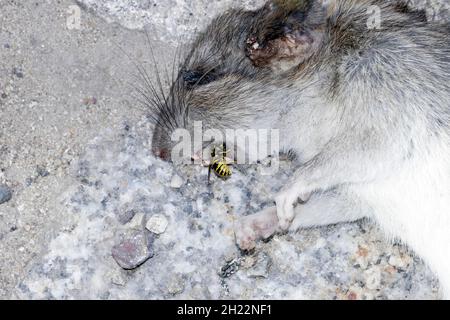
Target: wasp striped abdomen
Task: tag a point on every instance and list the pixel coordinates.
(221, 168)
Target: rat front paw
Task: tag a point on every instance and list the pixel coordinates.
(252, 228)
(246, 236)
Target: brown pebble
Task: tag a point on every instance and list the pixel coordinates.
(390, 269)
(362, 252)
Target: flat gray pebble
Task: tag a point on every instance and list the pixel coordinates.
(262, 266)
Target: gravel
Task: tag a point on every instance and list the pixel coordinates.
(196, 256)
(157, 224)
(174, 21)
(176, 182)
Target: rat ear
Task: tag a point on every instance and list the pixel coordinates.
(283, 38)
(285, 52)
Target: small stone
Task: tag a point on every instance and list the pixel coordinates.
(133, 249)
(5, 194)
(157, 224)
(261, 267)
(230, 268)
(42, 171)
(4, 96)
(118, 278)
(126, 216)
(390, 270)
(137, 222)
(29, 181)
(400, 262)
(352, 295)
(362, 258)
(17, 72)
(176, 182)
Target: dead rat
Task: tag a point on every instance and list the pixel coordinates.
(366, 109)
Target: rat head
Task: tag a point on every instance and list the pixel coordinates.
(239, 71)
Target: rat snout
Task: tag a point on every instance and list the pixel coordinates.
(161, 145)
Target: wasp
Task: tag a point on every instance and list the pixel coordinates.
(219, 163)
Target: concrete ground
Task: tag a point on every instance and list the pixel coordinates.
(58, 88)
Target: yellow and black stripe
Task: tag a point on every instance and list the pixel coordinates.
(219, 164)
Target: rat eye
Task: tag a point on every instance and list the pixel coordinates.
(191, 77)
(197, 78)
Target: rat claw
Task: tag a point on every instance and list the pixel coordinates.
(245, 237)
(285, 202)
